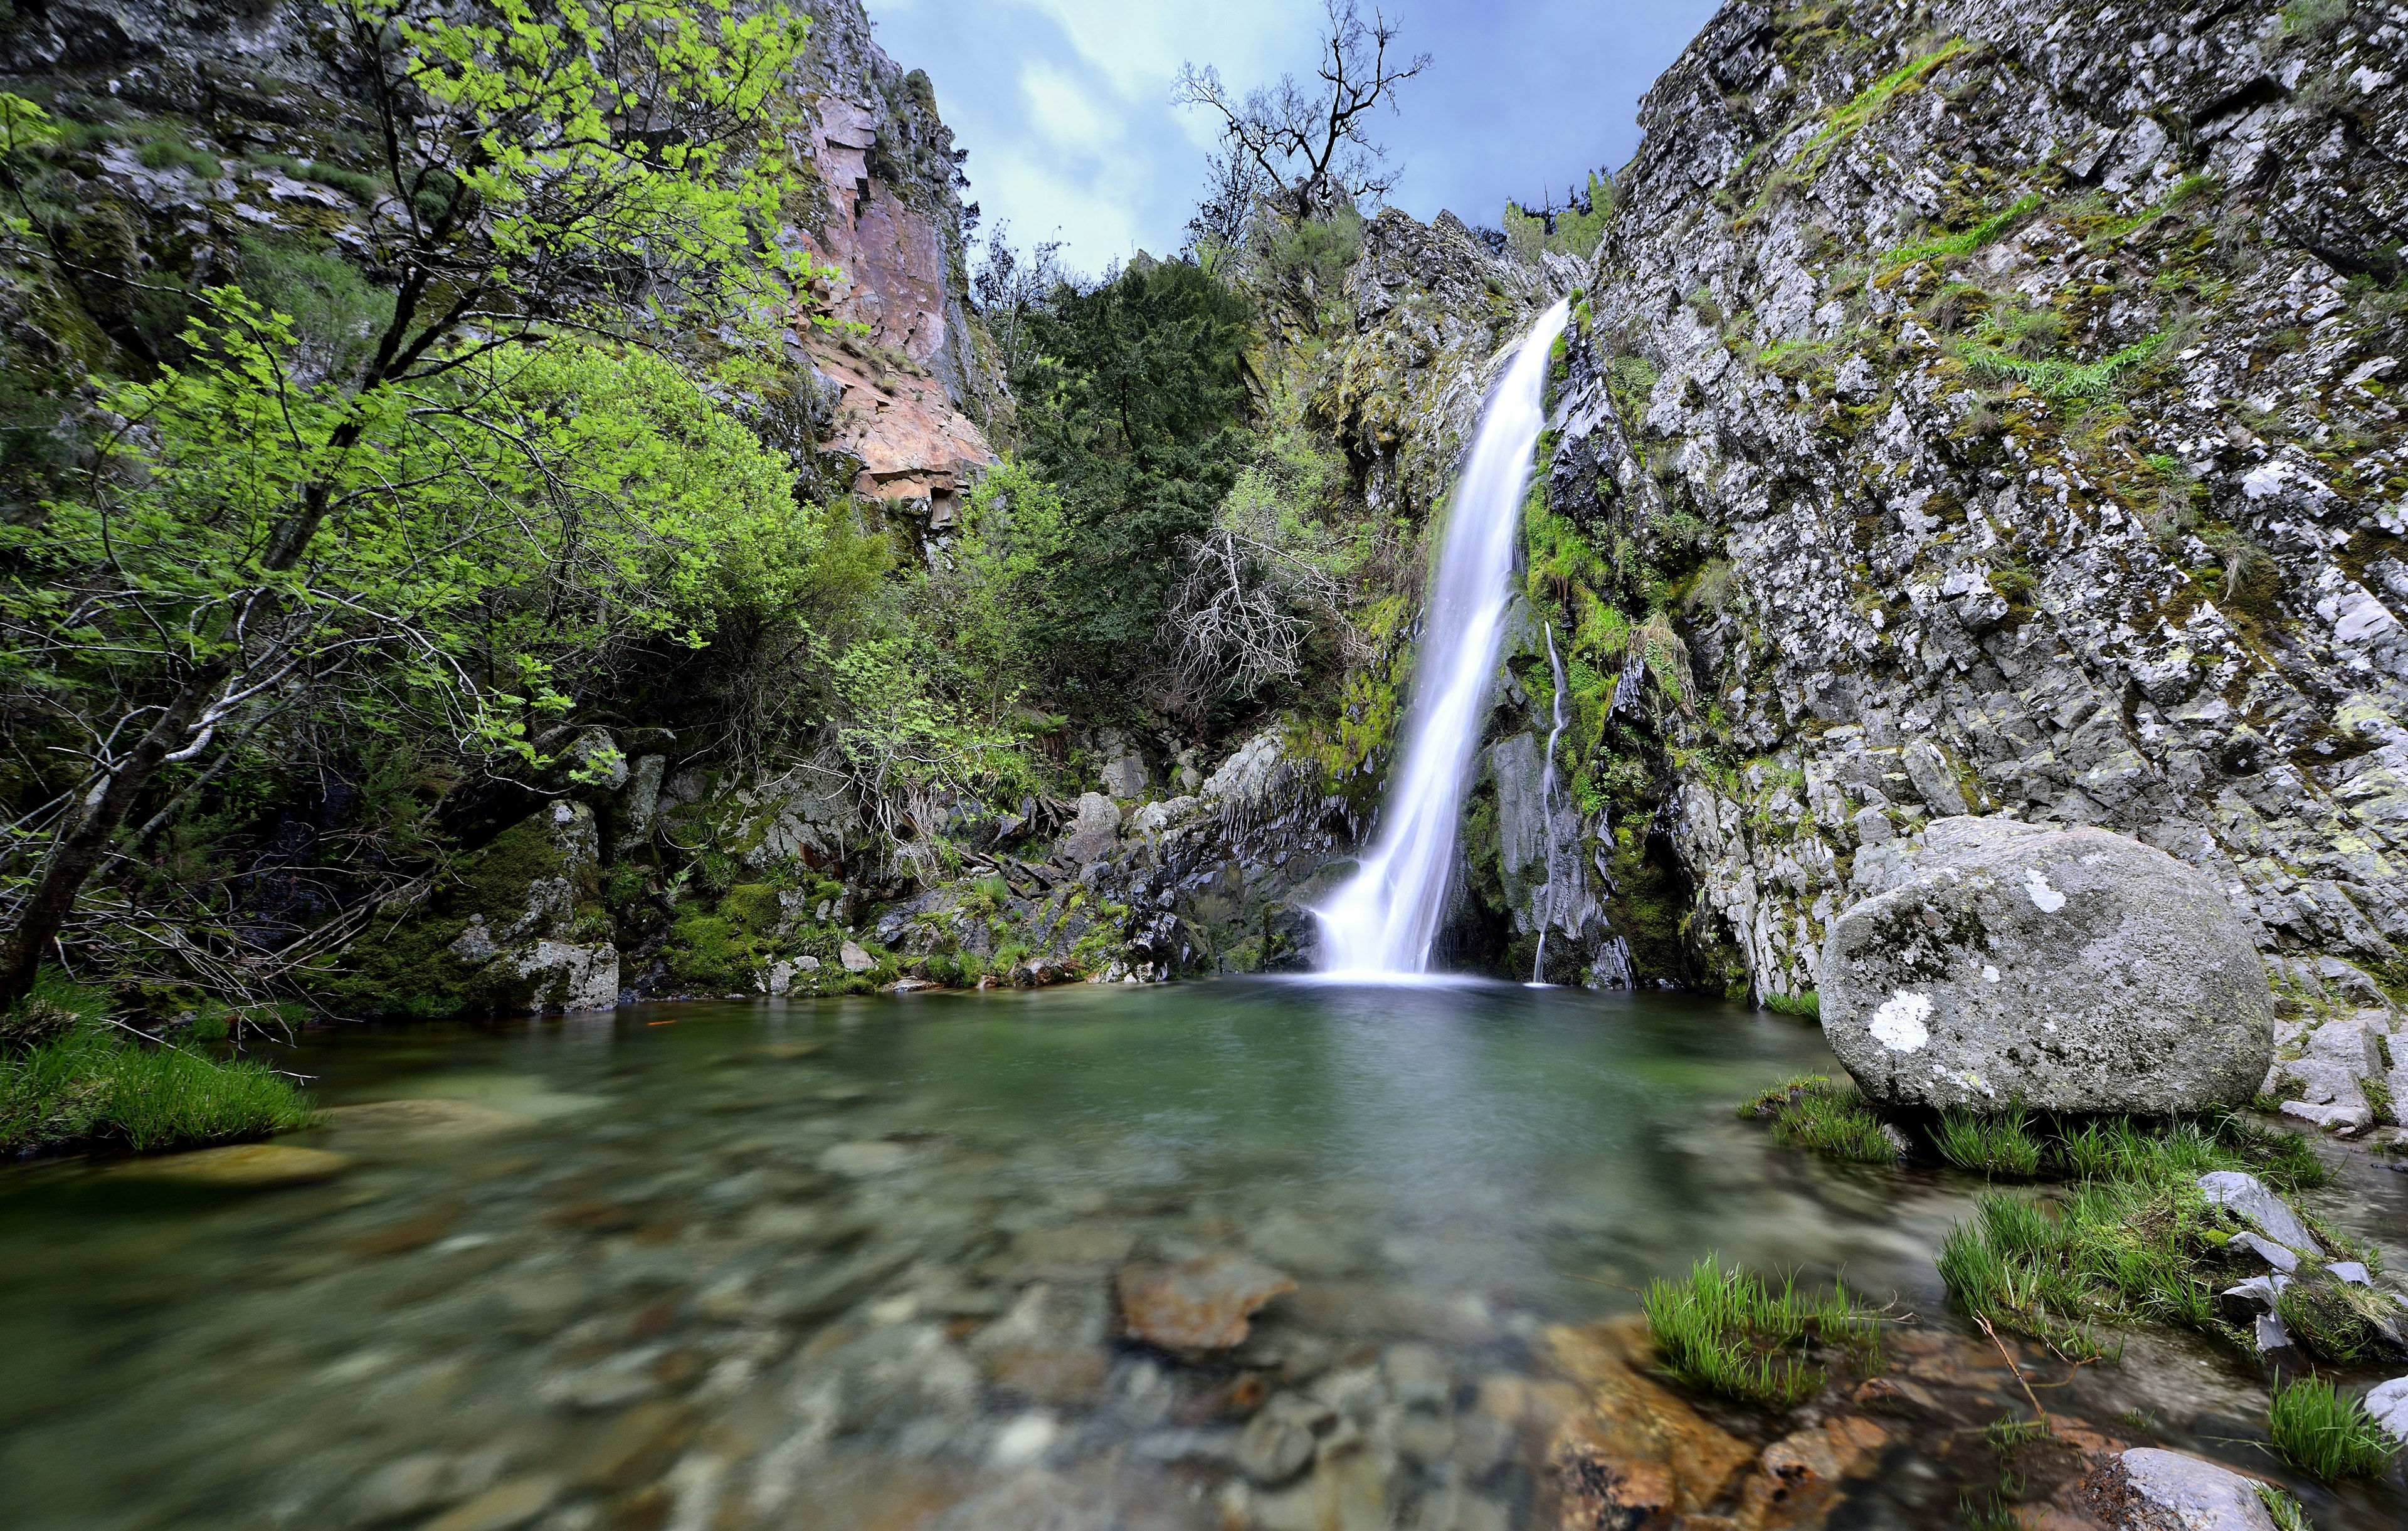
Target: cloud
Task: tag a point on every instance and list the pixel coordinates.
(1064, 104)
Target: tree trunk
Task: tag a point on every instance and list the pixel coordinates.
(81, 852)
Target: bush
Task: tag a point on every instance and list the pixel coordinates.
(1726, 1332)
(92, 1083)
(2326, 1435)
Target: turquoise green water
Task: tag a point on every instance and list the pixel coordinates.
(850, 1263)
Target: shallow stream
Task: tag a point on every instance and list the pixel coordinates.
(850, 1264)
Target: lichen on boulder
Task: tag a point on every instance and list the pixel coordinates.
(2072, 969)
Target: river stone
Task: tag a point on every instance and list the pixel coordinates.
(2250, 1199)
(2146, 1489)
(240, 1166)
(2078, 969)
(2389, 1404)
(1197, 1305)
(426, 1120)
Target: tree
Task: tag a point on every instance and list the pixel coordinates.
(543, 167)
(1134, 410)
(1010, 287)
(1311, 140)
(1233, 184)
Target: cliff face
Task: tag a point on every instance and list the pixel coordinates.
(890, 412)
(1999, 397)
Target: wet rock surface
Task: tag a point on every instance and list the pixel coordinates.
(2074, 970)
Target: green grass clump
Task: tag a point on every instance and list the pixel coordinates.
(164, 154)
(2325, 1435)
(1726, 1332)
(88, 1083)
(2131, 1238)
(2286, 1513)
(2333, 1318)
(1808, 1004)
(2053, 378)
(1945, 246)
(1989, 1145)
(1832, 1120)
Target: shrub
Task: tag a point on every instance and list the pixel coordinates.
(1726, 1332)
(2326, 1435)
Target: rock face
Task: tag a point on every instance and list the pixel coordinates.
(2076, 970)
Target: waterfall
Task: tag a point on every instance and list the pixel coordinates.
(1382, 921)
(1550, 901)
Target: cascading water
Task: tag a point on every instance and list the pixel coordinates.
(1380, 924)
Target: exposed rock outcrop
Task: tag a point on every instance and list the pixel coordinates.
(2074, 970)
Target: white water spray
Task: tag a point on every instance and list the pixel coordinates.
(1380, 924)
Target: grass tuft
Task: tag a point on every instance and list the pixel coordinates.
(1807, 1004)
(1832, 1120)
(2326, 1435)
(2000, 1145)
(92, 1084)
(1945, 246)
(1726, 1332)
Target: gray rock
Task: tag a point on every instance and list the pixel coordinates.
(854, 959)
(2078, 969)
(2388, 1403)
(639, 803)
(2153, 1490)
(2250, 1199)
(2267, 1249)
(1094, 834)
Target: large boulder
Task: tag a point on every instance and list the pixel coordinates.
(2076, 969)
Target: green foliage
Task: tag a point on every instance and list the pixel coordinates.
(92, 1083)
(2326, 1435)
(168, 151)
(1726, 1332)
(1571, 230)
(335, 313)
(2284, 1511)
(2315, 20)
(1134, 413)
(2133, 1239)
(1995, 1146)
(2054, 379)
(1813, 1113)
(1809, 1003)
(1981, 235)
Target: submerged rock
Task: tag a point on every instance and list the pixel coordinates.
(426, 1120)
(1199, 1305)
(2076, 969)
(2146, 1489)
(238, 1167)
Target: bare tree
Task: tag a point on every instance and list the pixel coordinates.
(1311, 139)
(1249, 597)
(1233, 183)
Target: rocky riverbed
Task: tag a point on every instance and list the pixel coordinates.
(1259, 1254)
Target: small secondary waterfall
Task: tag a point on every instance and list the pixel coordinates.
(1383, 920)
(1550, 898)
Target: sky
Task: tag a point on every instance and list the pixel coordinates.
(1064, 104)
